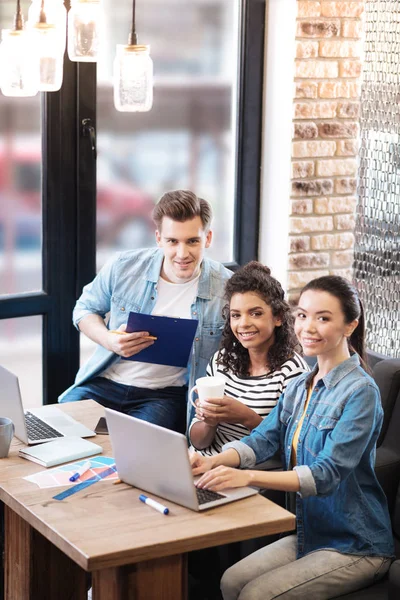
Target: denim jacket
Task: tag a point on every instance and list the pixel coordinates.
(128, 282)
(341, 505)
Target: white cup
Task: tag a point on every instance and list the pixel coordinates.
(207, 387)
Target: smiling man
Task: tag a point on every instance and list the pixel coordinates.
(174, 280)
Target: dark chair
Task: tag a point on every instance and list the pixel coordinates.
(374, 357)
(387, 376)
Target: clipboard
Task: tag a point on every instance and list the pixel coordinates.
(174, 339)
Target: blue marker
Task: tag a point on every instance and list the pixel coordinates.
(85, 467)
(162, 509)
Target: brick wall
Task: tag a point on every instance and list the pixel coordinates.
(325, 139)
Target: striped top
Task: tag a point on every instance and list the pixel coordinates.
(261, 393)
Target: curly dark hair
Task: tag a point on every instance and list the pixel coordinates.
(256, 277)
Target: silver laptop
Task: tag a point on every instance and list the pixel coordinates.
(38, 424)
(156, 460)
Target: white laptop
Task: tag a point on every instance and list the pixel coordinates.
(156, 460)
(38, 424)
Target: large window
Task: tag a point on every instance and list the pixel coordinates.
(20, 229)
(188, 139)
(56, 220)
(20, 186)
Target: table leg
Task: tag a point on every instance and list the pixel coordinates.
(158, 579)
(34, 568)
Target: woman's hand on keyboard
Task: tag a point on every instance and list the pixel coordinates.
(200, 464)
(222, 477)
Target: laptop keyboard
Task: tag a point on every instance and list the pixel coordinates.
(204, 496)
(38, 429)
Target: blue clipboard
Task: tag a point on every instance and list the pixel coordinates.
(174, 339)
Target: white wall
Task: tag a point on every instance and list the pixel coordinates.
(277, 135)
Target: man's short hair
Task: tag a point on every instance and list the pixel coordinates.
(182, 205)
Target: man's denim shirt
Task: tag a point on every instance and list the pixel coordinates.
(340, 505)
(128, 282)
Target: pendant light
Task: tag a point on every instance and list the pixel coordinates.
(85, 24)
(51, 56)
(133, 74)
(56, 14)
(18, 60)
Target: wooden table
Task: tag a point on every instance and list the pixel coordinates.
(132, 551)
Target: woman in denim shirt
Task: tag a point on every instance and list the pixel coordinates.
(326, 424)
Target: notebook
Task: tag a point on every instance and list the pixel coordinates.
(156, 460)
(60, 451)
(38, 424)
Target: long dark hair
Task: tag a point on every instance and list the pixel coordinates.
(352, 309)
(255, 277)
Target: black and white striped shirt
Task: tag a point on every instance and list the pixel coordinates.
(261, 393)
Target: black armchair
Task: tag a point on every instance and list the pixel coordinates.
(387, 375)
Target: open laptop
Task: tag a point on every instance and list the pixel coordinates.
(37, 425)
(156, 460)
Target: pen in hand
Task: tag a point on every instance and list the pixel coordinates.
(146, 337)
(156, 505)
(85, 467)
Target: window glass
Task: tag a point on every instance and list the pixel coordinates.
(21, 353)
(187, 140)
(20, 185)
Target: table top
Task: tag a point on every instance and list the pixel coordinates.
(106, 525)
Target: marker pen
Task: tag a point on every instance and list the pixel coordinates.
(85, 467)
(156, 505)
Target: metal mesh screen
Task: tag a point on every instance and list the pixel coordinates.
(377, 255)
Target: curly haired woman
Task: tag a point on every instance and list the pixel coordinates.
(257, 358)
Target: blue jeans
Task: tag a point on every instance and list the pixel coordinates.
(274, 572)
(165, 407)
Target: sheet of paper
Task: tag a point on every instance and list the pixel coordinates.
(59, 476)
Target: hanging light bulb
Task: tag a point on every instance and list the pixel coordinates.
(18, 63)
(56, 14)
(133, 79)
(133, 74)
(85, 23)
(47, 45)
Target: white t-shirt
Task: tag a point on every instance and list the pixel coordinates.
(173, 300)
(261, 393)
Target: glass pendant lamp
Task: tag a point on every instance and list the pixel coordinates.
(56, 15)
(18, 63)
(85, 23)
(133, 79)
(133, 75)
(45, 41)
(50, 57)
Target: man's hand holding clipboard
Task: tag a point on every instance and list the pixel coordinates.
(173, 343)
(127, 344)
